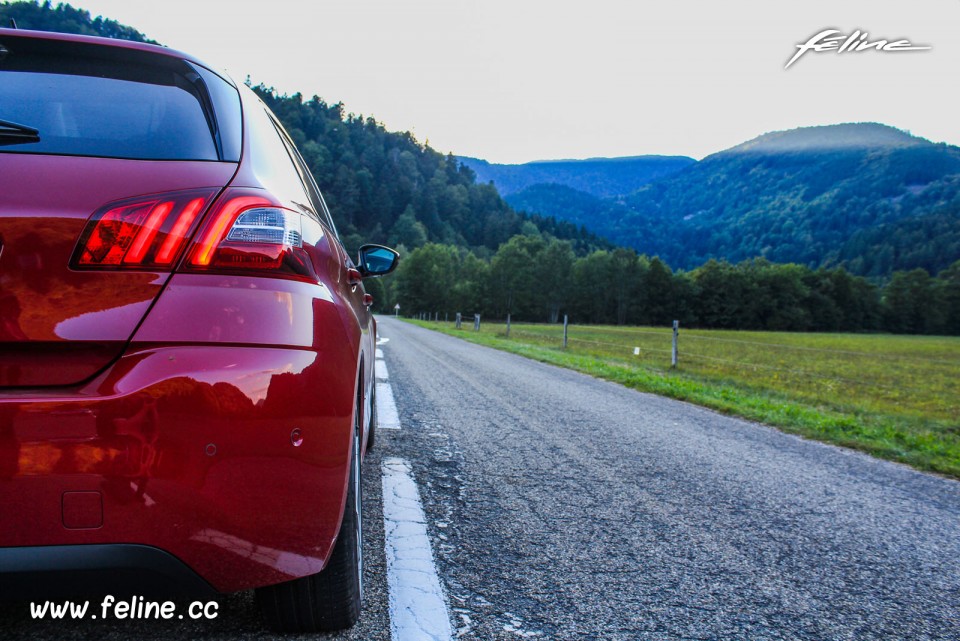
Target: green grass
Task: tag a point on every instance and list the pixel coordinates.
(896, 397)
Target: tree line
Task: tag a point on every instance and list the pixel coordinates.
(538, 278)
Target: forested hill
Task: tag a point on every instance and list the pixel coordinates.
(64, 18)
(601, 177)
(381, 186)
(571, 204)
(816, 196)
(869, 197)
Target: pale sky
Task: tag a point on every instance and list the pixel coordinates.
(518, 80)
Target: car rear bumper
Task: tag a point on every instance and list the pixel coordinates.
(188, 450)
(62, 571)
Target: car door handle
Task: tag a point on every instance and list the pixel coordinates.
(367, 300)
(353, 276)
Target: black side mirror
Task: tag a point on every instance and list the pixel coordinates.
(377, 260)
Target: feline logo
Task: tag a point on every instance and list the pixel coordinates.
(834, 40)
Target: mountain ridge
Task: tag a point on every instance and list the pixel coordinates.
(603, 177)
(847, 135)
(866, 196)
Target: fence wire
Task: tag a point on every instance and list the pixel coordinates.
(687, 335)
(554, 336)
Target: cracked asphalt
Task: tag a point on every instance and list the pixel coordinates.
(564, 507)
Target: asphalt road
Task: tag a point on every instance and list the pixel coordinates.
(564, 507)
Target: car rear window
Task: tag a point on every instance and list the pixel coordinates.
(111, 106)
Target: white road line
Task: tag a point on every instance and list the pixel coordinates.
(378, 353)
(382, 339)
(418, 610)
(387, 417)
(382, 373)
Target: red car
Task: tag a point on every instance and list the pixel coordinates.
(186, 350)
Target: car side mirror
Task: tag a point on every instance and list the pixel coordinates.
(377, 260)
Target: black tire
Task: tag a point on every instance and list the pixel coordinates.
(329, 600)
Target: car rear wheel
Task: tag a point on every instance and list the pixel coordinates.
(329, 600)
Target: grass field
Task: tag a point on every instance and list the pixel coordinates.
(897, 397)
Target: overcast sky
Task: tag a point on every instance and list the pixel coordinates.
(519, 80)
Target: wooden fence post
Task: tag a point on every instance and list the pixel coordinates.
(674, 354)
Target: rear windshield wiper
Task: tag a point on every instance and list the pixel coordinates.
(12, 133)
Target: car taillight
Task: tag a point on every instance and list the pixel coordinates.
(149, 232)
(251, 232)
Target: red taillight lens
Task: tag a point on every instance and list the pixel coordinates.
(247, 232)
(142, 233)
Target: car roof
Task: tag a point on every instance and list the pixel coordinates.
(113, 43)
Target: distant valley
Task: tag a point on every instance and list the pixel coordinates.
(600, 177)
(864, 196)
